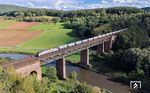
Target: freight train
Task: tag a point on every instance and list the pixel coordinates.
(73, 44)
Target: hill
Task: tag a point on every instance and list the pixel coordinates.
(8, 8)
(147, 9)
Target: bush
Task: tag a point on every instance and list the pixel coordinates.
(137, 74)
(73, 75)
(83, 88)
(96, 90)
(51, 73)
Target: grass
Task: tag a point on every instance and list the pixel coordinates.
(5, 23)
(5, 60)
(53, 35)
(74, 58)
(18, 51)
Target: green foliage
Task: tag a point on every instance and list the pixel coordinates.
(102, 30)
(51, 73)
(146, 9)
(9, 8)
(134, 61)
(136, 74)
(83, 88)
(53, 35)
(105, 91)
(84, 22)
(96, 90)
(10, 82)
(73, 75)
(74, 58)
(5, 23)
(134, 37)
(56, 20)
(124, 10)
(5, 60)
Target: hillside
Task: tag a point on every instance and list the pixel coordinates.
(147, 9)
(9, 8)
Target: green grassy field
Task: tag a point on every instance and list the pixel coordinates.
(4, 24)
(74, 58)
(53, 35)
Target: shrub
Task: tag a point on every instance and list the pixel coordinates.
(73, 75)
(51, 73)
(83, 88)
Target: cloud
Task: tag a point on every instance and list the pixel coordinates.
(30, 4)
(124, 1)
(76, 4)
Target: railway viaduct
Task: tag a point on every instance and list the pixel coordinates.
(33, 64)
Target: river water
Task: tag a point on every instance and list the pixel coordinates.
(95, 79)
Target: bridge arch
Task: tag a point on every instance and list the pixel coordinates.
(33, 73)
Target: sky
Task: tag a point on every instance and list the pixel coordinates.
(76, 4)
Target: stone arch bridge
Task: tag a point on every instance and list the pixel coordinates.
(33, 64)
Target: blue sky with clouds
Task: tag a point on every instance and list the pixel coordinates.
(76, 4)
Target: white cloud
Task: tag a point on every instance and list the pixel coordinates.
(124, 1)
(30, 4)
(77, 4)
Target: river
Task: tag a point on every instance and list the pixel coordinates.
(95, 79)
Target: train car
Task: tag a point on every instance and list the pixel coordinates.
(46, 51)
(86, 40)
(99, 36)
(90, 39)
(113, 32)
(96, 37)
(63, 46)
(71, 44)
(41, 53)
(55, 49)
(78, 42)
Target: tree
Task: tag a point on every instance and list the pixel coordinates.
(56, 20)
(51, 74)
(73, 75)
(83, 88)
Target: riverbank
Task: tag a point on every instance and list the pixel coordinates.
(17, 51)
(100, 67)
(105, 70)
(5, 60)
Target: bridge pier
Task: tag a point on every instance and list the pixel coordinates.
(108, 44)
(61, 68)
(84, 57)
(100, 48)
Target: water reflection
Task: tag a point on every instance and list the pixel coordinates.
(13, 56)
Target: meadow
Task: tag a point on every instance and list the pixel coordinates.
(4, 24)
(51, 35)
